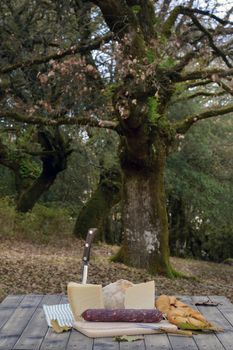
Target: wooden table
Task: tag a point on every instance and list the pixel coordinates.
(23, 327)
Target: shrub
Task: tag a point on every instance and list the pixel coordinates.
(219, 243)
(41, 225)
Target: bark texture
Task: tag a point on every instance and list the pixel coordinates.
(97, 210)
(54, 160)
(145, 236)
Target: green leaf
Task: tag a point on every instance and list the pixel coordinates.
(129, 338)
(136, 9)
(57, 328)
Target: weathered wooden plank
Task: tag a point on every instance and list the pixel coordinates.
(225, 307)
(105, 344)
(222, 300)
(208, 341)
(36, 329)
(79, 341)
(25, 319)
(12, 301)
(12, 329)
(205, 341)
(8, 306)
(136, 345)
(54, 341)
(182, 343)
(64, 299)
(214, 315)
(157, 342)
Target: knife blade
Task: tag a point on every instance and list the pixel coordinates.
(86, 253)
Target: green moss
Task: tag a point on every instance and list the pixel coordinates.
(179, 88)
(152, 104)
(95, 213)
(150, 55)
(138, 44)
(228, 261)
(110, 90)
(166, 30)
(29, 169)
(178, 274)
(136, 9)
(121, 256)
(167, 63)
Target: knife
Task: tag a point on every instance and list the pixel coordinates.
(86, 253)
(162, 329)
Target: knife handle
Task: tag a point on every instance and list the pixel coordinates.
(87, 248)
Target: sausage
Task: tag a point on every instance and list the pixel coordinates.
(122, 315)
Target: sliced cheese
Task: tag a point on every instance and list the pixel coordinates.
(84, 296)
(140, 296)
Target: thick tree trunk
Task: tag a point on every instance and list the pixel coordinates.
(31, 195)
(54, 159)
(97, 210)
(145, 236)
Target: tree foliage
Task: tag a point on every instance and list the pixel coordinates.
(199, 185)
(120, 65)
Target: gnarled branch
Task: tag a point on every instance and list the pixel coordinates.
(180, 10)
(200, 94)
(60, 120)
(82, 49)
(216, 49)
(183, 126)
(224, 86)
(202, 74)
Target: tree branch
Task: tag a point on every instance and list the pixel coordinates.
(164, 8)
(5, 159)
(170, 21)
(181, 10)
(224, 86)
(207, 13)
(216, 49)
(201, 74)
(184, 61)
(199, 83)
(39, 120)
(94, 45)
(183, 126)
(200, 93)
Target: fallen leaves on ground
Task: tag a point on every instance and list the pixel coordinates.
(34, 268)
(57, 328)
(129, 338)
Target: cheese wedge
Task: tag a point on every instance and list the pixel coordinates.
(140, 296)
(84, 296)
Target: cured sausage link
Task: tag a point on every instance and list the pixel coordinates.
(123, 315)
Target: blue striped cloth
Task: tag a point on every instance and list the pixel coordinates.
(61, 312)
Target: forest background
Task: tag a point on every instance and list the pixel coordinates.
(56, 181)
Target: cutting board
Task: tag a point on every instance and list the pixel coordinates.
(110, 329)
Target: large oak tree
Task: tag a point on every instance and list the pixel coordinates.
(130, 61)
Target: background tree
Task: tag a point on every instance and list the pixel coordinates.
(145, 54)
(98, 209)
(34, 170)
(199, 185)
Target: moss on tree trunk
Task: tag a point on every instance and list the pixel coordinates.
(145, 237)
(97, 210)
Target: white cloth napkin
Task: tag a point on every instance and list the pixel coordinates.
(61, 312)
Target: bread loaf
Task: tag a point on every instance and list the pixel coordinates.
(114, 294)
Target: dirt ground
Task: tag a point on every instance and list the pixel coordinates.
(31, 268)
